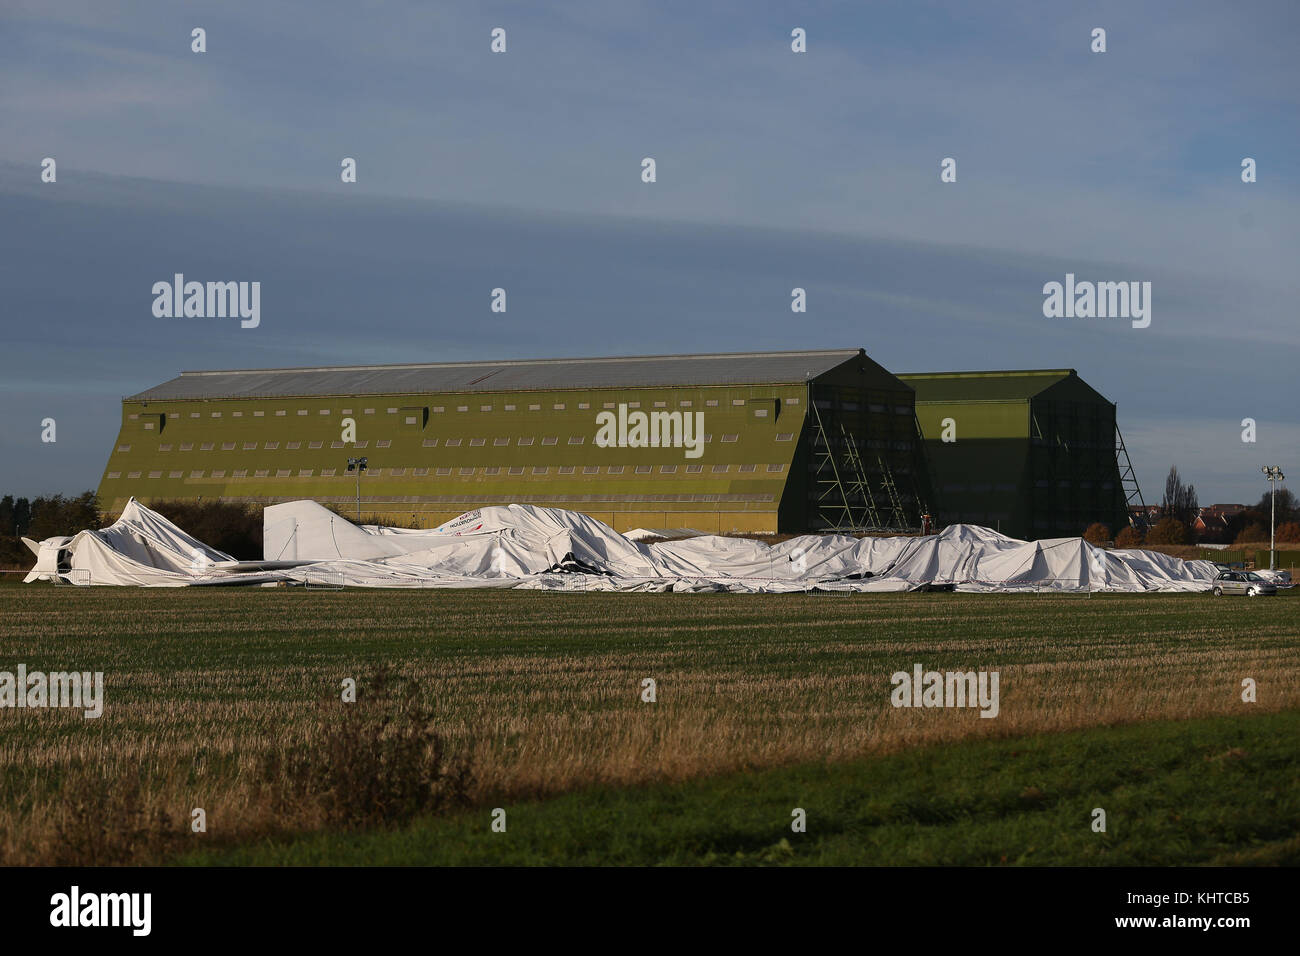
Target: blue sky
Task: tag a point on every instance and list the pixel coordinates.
(775, 170)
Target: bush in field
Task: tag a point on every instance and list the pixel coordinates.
(1097, 533)
(56, 515)
(1128, 538)
(225, 525)
(1168, 531)
(1289, 532)
(1252, 534)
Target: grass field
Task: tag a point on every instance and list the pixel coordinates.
(229, 700)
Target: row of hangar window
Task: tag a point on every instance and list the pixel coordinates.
(464, 472)
(521, 442)
(412, 419)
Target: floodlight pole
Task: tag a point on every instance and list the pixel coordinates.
(358, 465)
(1274, 475)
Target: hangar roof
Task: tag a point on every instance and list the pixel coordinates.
(734, 368)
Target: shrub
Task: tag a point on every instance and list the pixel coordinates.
(227, 526)
(1168, 531)
(1128, 538)
(1252, 534)
(1097, 533)
(1289, 532)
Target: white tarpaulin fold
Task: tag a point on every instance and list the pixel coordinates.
(523, 546)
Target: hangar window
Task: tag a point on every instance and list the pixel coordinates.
(282, 473)
(218, 474)
(534, 408)
(136, 474)
(439, 408)
(272, 445)
(227, 446)
(194, 414)
(477, 442)
(392, 411)
(576, 439)
(314, 444)
(748, 467)
(738, 401)
(164, 447)
(128, 447)
(216, 414)
(775, 467)
(115, 474)
(720, 468)
(148, 425)
(175, 474)
(324, 411)
(540, 470)
(643, 469)
(517, 470)
(345, 411)
(280, 414)
(694, 469)
(711, 403)
(371, 411)
(902, 409)
(262, 473)
(302, 411)
(607, 405)
(259, 414)
(685, 404)
(185, 446)
(444, 471)
(193, 474)
(240, 473)
(633, 404)
(361, 444)
(327, 472)
(553, 440)
(591, 469)
(337, 444)
(384, 443)
(792, 401)
(302, 472)
(430, 443)
(156, 474)
(667, 469)
(485, 408)
(524, 441)
(462, 408)
(615, 469)
(133, 416)
(661, 405)
(421, 472)
(584, 405)
(559, 407)
(566, 469)
(730, 438)
(467, 471)
(708, 438)
(494, 470)
(232, 415)
(498, 442)
(398, 472)
(412, 420)
(760, 413)
(293, 445)
(853, 407)
(452, 443)
(206, 446)
(510, 408)
(785, 436)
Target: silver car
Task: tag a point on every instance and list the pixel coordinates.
(1242, 582)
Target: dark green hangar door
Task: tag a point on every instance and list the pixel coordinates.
(860, 463)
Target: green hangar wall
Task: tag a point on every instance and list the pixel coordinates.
(791, 441)
(1033, 453)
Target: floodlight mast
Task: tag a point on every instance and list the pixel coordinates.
(1274, 474)
(357, 465)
